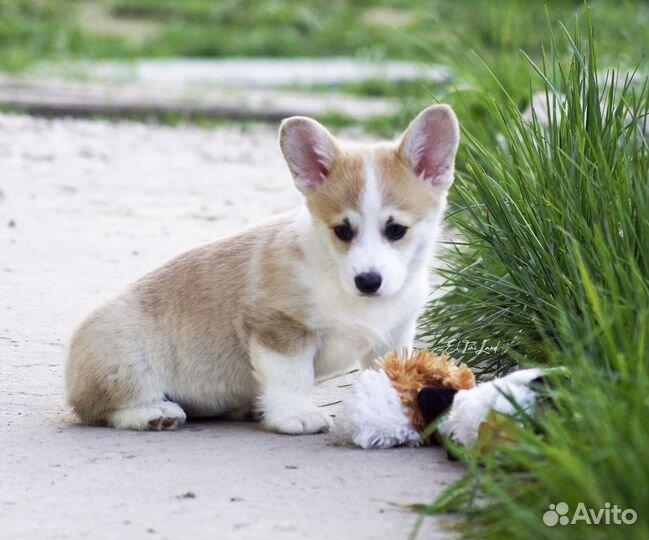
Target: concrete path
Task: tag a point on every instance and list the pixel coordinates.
(250, 72)
(135, 99)
(85, 208)
(258, 88)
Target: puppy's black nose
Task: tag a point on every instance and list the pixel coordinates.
(368, 282)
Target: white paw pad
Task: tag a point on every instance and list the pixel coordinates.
(311, 421)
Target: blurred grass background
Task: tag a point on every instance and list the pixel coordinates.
(428, 31)
(460, 34)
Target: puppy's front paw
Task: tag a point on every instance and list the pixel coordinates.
(312, 420)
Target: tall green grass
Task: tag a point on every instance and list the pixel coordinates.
(553, 269)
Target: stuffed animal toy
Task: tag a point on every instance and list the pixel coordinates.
(392, 403)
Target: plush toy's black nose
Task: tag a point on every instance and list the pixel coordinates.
(434, 401)
(368, 282)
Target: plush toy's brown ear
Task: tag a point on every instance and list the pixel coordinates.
(433, 402)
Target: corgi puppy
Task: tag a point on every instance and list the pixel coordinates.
(249, 323)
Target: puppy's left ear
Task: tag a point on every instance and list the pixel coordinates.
(430, 143)
(309, 150)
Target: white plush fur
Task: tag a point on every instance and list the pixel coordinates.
(374, 416)
(470, 407)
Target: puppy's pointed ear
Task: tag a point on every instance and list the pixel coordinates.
(309, 149)
(429, 145)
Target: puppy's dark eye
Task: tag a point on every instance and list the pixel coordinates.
(395, 231)
(344, 232)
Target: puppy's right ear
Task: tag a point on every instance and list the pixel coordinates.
(309, 150)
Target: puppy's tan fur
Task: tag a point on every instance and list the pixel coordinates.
(250, 321)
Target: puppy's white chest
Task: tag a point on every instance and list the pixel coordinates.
(339, 352)
(354, 330)
(350, 340)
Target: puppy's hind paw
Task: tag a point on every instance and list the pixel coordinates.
(164, 415)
